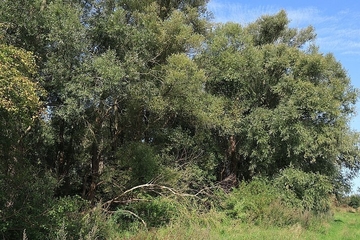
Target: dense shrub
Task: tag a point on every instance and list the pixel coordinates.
(25, 198)
(66, 217)
(354, 201)
(263, 202)
(151, 212)
(306, 191)
(251, 201)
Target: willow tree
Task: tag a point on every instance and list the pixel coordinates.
(143, 85)
(290, 104)
(119, 75)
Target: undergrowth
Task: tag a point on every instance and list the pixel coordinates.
(255, 209)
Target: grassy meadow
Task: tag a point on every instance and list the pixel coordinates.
(343, 224)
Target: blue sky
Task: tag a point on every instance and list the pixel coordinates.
(337, 25)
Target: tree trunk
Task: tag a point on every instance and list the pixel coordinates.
(95, 166)
(95, 160)
(232, 156)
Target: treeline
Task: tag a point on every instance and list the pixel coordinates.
(109, 103)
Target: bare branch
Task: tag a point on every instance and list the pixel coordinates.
(135, 215)
(151, 187)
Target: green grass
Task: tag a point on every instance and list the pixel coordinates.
(214, 226)
(345, 225)
(236, 231)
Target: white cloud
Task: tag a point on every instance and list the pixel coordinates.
(337, 32)
(307, 16)
(236, 12)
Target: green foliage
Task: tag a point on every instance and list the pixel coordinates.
(96, 224)
(262, 202)
(306, 191)
(288, 104)
(354, 201)
(25, 199)
(19, 92)
(154, 212)
(66, 217)
(258, 202)
(186, 159)
(24, 24)
(141, 162)
(239, 205)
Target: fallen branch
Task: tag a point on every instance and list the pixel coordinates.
(150, 186)
(135, 215)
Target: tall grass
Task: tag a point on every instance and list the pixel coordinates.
(216, 225)
(254, 210)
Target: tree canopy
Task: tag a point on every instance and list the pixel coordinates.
(290, 104)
